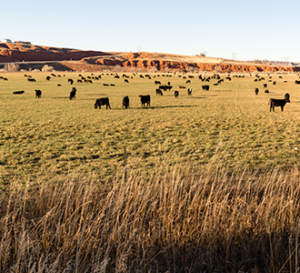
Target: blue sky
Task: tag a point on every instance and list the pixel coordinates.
(249, 29)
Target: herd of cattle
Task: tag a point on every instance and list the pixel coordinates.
(145, 99)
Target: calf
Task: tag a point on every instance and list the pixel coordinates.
(159, 92)
(256, 91)
(19, 92)
(103, 101)
(279, 102)
(38, 93)
(145, 100)
(125, 102)
(205, 87)
(73, 93)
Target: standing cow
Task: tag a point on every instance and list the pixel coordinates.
(125, 102)
(38, 93)
(102, 101)
(73, 93)
(145, 100)
(279, 102)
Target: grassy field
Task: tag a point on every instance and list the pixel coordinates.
(227, 125)
(212, 177)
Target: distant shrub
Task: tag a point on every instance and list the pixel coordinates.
(11, 67)
(47, 68)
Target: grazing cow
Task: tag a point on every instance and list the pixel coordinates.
(19, 92)
(228, 78)
(38, 93)
(126, 81)
(125, 102)
(188, 81)
(205, 87)
(79, 81)
(279, 102)
(112, 84)
(297, 82)
(265, 85)
(274, 83)
(31, 80)
(181, 87)
(159, 92)
(157, 82)
(70, 81)
(102, 101)
(165, 87)
(145, 100)
(176, 94)
(48, 78)
(58, 84)
(256, 91)
(105, 84)
(267, 91)
(88, 81)
(189, 91)
(73, 93)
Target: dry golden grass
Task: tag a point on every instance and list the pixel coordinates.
(180, 220)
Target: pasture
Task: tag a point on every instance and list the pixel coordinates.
(212, 177)
(228, 125)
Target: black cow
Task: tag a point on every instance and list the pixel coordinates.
(157, 82)
(31, 80)
(145, 100)
(19, 92)
(70, 81)
(38, 93)
(159, 92)
(189, 91)
(188, 81)
(265, 85)
(48, 78)
(297, 82)
(278, 102)
(267, 91)
(125, 102)
(205, 87)
(176, 94)
(103, 101)
(165, 87)
(73, 93)
(274, 83)
(256, 91)
(126, 81)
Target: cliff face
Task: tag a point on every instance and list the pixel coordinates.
(17, 52)
(97, 60)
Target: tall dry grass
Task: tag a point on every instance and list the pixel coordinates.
(180, 219)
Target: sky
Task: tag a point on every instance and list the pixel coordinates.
(231, 29)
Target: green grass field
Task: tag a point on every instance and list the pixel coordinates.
(212, 185)
(228, 125)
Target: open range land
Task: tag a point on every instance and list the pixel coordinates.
(211, 182)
